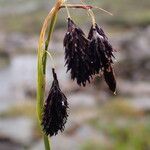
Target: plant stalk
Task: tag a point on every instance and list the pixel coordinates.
(41, 64)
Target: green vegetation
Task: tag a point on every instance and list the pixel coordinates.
(23, 109)
(124, 127)
(127, 13)
(95, 145)
(132, 136)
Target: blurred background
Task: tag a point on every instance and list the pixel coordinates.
(98, 120)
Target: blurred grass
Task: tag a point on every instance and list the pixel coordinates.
(95, 145)
(133, 136)
(124, 127)
(127, 13)
(26, 109)
(120, 107)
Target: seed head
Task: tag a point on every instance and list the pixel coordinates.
(100, 50)
(76, 54)
(55, 109)
(101, 54)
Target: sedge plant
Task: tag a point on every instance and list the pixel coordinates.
(85, 58)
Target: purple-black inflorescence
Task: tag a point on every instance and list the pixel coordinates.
(110, 79)
(101, 54)
(76, 54)
(86, 57)
(55, 109)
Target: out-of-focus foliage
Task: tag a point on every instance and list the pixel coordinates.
(31, 13)
(124, 128)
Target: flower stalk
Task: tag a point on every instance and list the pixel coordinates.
(86, 7)
(41, 64)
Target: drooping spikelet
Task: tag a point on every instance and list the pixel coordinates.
(76, 54)
(110, 79)
(55, 109)
(100, 54)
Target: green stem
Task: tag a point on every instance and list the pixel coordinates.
(51, 28)
(46, 142)
(41, 78)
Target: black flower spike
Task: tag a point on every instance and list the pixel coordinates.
(76, 54)
(55, 109)
(110, 79)
(108, 47)
(101, 54)
(100, 50)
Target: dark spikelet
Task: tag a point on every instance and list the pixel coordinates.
(101, 55)
(55, 109)
(100, 50)
(96, 48)
(76, 54)
(110, 79)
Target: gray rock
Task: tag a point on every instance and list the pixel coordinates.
(87, 133)
(142, 103)
(18, 129)
(135, 60)
(79, 99)
(134, 88)
(136, 46)
(58, 143)
(8, 144)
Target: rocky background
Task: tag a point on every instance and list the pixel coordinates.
(98, 120)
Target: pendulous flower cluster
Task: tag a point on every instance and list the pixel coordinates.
(85, 57)
(55, 109)
(76, 54)
(90, 56)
